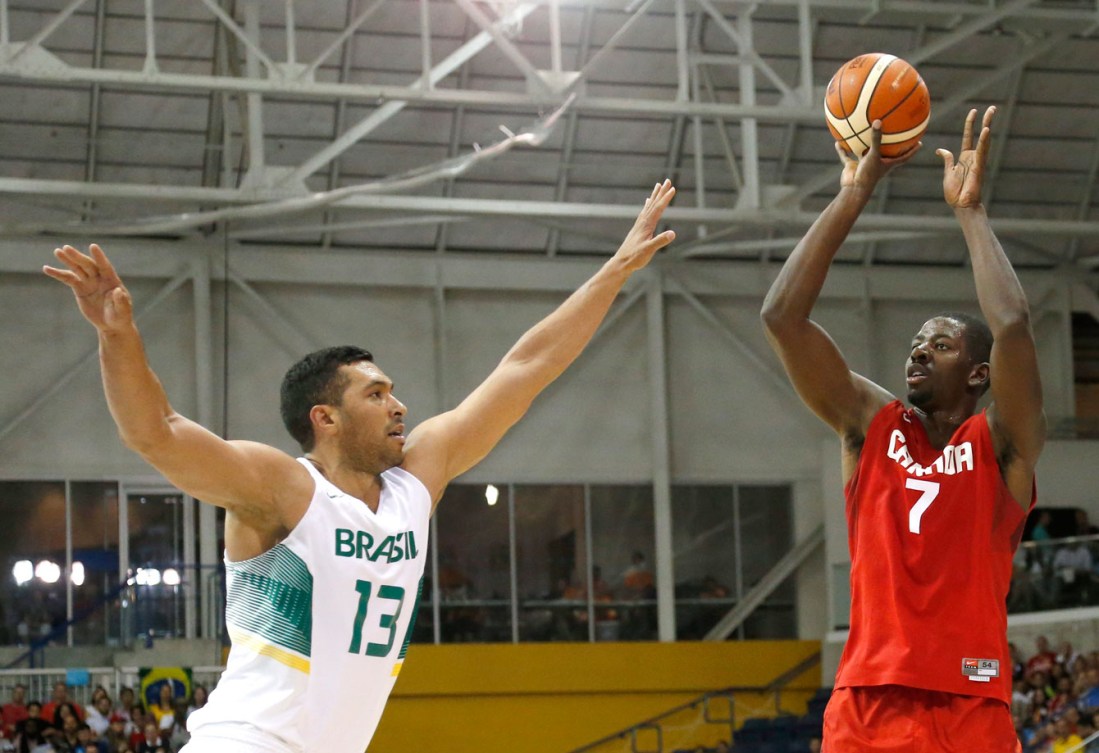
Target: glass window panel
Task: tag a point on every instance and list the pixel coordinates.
(95, 561)
(474, 564)
(156, 544)
(551, 563)
(623, 541)
(30, 605)
(766, 535)
(704, 542)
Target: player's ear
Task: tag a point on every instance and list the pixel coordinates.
(323, 419)
(979, 376)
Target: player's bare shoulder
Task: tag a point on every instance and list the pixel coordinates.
(283, 487)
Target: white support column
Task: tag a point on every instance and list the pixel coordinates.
(661, 455)
(256, 160)
(749, 132)
(208, 555)
(189, 582)
(68, 571)
(681, 53)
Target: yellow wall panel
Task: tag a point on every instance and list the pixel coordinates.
(552, 698)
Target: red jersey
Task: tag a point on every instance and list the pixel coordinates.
(931, 535)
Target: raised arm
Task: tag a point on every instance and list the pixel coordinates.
(451, 443)
(1016, 416)
(259, 483)
(841, 398)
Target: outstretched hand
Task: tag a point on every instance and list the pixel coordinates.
(640, 244)
(962, 179)
(100, 294)
(865, 172)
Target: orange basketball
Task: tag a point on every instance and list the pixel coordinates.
(877, 86)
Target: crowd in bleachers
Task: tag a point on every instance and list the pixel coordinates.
(1055, 702)
(122, 725)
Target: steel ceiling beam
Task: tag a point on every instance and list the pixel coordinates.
(387, 110)
(763, 217)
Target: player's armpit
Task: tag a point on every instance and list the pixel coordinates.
(1016, 417)
(254, 480)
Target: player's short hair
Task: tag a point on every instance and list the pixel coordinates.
(978, 338)
(315, 380)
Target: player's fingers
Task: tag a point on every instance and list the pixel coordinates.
(983, 144)
(660, 241)
(61, 275)
(875, 138)
(989, 113)
(84, 265)
(947, 157)
(101, 261)
(845, 156)
(967, 133)
(902, 158)
(667, 193)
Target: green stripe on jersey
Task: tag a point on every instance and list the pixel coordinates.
(272, 596)
(412, 621)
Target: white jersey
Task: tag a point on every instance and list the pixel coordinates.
(320, 624)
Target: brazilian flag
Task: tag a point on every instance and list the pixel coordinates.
(152, 678)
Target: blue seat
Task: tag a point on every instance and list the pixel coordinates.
(782, 727)
(755, 730)
(809, 725)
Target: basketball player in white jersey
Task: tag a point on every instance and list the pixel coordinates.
(324, 554)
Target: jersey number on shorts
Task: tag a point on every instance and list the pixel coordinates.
(928, 491)
(386, 621)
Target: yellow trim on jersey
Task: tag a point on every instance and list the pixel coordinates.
(396, 669)
(260, 646)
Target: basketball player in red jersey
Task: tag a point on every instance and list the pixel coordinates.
(936, 494)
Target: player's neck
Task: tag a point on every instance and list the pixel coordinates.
(364, 485)
(940, 422)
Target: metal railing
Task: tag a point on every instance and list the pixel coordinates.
(703, 705)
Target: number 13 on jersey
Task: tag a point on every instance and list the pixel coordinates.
(928, 491)
(387, 620)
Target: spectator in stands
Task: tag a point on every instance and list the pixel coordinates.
(163, 711)
(99, 714)
(150, 740)
(85, 739)
(1083, 525)
(125, 702)
(1018, 663)
(14, 711)
(1044, 659)
(31, 737)
(61, 696)
(1040, 531)
(637, 580)
(1064, 738)
(1072, 567)
(1020, 699)
(138, 717)
(117, 733)
(198, 699)
(176, 735)
(1088, 694)
(65, 739)
(62, 714)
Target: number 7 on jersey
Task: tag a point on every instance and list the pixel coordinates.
(928, 491)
